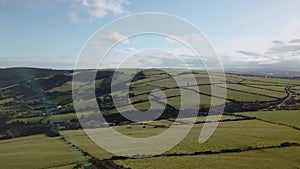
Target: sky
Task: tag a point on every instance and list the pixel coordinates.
(245, 34)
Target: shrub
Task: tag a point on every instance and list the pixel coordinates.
(52, 132)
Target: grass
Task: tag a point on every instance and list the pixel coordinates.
(80, 139)
(168, 93)
(247, 89)
(143, 89)
(27, 120)
(64, 167)
(37, 151)
(265, 81)
(52, 118)
(272, 88)
(66, 87)
(253, 88)
(283, 158)
(64, 97)
(205, 101)
(3, 101)
(289, 117)
(223, 117)
(228, 135)
(61, 117)
(296, 89)
(65, 117)
(246, 97)
(242, 96)
(42, 152)
(149, 79)
(237, 134)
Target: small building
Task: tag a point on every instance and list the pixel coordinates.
(59, 107)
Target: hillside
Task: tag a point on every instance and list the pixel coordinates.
(260, 119)
(11, 76)
(45, 90)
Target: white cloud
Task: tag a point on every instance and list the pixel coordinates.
(183, 52)
(73, 15)
(259, 50)
(171, 39)
(95, 9)
(189, 38)
(114, 37)
(100, 8)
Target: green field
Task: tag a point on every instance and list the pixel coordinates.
(246, 97)
(272, 88)
(296, 89)
(252, 88)
(27, 120)
(237, 134)
(247, 89)
(66, 87)
(258, 139)
(238, 94)
(288, 117)
(266, 81)
(3, 101)
(80, 139)
(229, 135)
(240, 88)
(37, 151)
(51, 118)
(283, 158)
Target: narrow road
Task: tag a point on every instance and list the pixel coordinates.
(290, 94)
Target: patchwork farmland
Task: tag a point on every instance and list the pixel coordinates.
(260, 122)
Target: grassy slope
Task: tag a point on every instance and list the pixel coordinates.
(155, 79)
(283, 158)
(36, 151)
(256, 90)
(236, 134)
(289, 117)
(229, 135)
(15, 75)
(7, 100)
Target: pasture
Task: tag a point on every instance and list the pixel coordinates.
(37, 151)
(283, 158)
(235, 134)
(287, 117)
(7, 100)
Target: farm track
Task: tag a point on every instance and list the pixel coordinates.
(289, 96)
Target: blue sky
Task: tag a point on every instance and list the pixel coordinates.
(50, 33)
